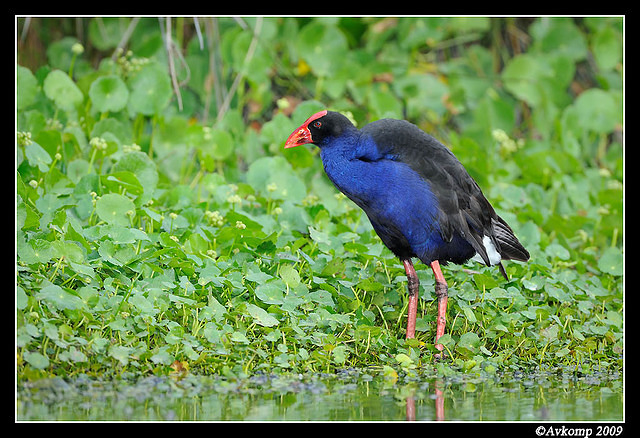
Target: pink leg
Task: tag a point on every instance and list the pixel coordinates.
(413, 286)
(439, 401)
(441, 293)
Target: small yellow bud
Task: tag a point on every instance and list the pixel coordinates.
(77, 49)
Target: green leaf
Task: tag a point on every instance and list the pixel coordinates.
(551, 332)
(73, 355)
(319, 236)
(115, 209)
(446, 339)
(614, 318)
(37, 156)
(150, 91)
(289, 275)
(109, 93)
(144, 305)
(27, 88)
(116, 254)
(561, 36)
(369, 284)
(36, 360)
(468, 312)
(403, 360)
(468, 344)
(69, 250)
(597, 111)
(36, 251)
(275, 178)
(557, 293)
(422, 93)
(59, 87)
(221, 143)
(607, 48)
(322, 46)
(610, 261)
(339, 354)
(261, 316)
(271, 293)
(384, 103)
(106, 32)
(239, 337)
(120, 353)
(59, 297)
(21, 298)
(524, 75)
(117, 181)
(555, 250)
(258, 277)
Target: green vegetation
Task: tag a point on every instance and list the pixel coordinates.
(161, 226)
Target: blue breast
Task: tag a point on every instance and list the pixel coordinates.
(399, 203)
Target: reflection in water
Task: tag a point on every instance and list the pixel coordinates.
(439, 400)
(357, 396)
(439, 403)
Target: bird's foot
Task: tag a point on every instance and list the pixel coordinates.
(441, 354)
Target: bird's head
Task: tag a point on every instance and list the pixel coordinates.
(319, 129)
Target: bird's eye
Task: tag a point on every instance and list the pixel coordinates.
(317, 124)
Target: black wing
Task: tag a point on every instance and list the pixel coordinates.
(462, 205)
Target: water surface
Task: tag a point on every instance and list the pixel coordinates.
(346, 397)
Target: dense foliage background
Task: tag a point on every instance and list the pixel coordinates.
(162, 227)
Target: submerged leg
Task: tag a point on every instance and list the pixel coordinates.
(413, 285)
(441, 293)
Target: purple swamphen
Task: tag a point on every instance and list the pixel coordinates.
(419, 198)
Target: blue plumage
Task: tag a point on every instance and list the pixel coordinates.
(399, 203)
(419, 198)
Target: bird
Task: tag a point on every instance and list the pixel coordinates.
(419, 198)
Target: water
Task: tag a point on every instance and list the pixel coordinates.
(346, 397)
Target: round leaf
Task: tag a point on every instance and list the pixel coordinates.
(562, 36)
(27, 87)
(37, 156)
(270, 293)
(468, 344)
(322, 46)
(114, 208)
(36, 360)
(289, 275)
(109, 93)
(59, 297)
(142, 167)
(611, 261)
(557, 250)
(597, 111)
(59, 87)
(275, 177)
(607, 48)
(222, 144)
(261, 316)
(150, 91)
(523, 77)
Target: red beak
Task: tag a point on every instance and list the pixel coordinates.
(302, 135)
(298, 137)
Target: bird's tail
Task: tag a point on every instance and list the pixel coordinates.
(509, 246)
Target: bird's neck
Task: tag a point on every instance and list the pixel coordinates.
(344, 165)
(337, 153)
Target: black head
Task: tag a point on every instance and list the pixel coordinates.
(320, 129)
